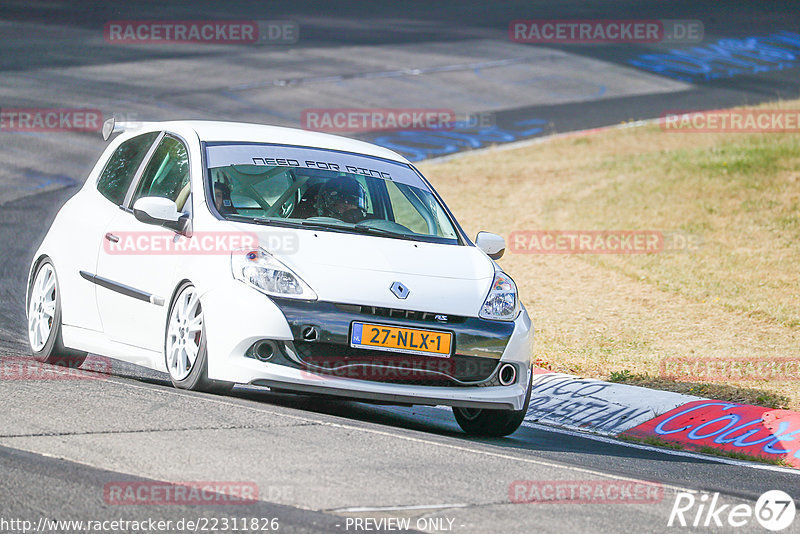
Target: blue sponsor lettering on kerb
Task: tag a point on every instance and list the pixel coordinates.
(770, 442)
(726, 58)
(662, 431)
(695, 433)
(419, 145)
(741, 440)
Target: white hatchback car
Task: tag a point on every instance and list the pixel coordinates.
(227, 253)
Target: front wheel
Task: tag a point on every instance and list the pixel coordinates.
(44, 320)
(185, 345)
(492, 423)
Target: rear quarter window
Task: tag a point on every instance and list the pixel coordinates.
(122, 165)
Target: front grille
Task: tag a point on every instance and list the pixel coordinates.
(381, 366)
(395, 313)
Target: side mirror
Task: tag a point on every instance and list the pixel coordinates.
(160, 212)
(492, 244)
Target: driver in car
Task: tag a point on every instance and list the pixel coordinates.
(342, 198)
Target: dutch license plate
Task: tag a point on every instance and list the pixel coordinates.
(401, 339)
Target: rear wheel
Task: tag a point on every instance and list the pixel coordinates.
(492, 423)
(44, 320)
(185, 344)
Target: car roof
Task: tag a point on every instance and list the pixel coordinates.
(227, 132)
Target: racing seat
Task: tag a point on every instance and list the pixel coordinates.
(183, 196)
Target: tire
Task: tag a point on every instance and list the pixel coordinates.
(492, 423)
(44, 320)
(185, 351)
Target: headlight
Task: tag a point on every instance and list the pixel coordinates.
(262, 271)
(502, 302)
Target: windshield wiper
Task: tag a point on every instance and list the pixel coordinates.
(298, 223)
(321, 224)
(360, 228)
(285, 223)
(256, 220)
(382, 231)
(343, 227)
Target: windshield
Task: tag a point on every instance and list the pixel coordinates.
(306, 187)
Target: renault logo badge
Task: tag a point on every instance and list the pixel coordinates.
(400, 291)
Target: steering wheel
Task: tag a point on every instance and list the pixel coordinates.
(353, 216)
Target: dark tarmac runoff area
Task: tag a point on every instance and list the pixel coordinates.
(71, 449)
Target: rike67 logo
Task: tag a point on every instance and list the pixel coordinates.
(774, 510)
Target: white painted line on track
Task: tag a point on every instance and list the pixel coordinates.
(662, 450)
(688, 454)
(357, 509)
(490, 454)
(536, 426)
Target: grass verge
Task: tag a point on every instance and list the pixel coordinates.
(730, 296)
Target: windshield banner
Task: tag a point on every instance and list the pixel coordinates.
(310, 158)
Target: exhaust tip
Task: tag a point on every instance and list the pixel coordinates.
(310, 333)
(507, 374)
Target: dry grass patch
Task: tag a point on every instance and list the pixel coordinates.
(736, 296)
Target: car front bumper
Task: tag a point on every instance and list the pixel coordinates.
(236, 317)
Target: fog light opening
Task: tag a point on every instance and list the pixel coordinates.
(264, 350)
(507, 374)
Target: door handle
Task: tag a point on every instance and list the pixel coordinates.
(111, 237)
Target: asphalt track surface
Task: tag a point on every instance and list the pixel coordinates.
(315, 461)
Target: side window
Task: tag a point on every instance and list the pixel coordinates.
(167, 174)
(122, 165)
